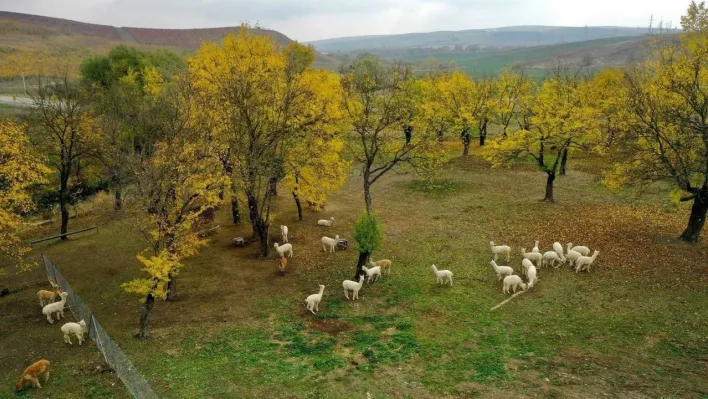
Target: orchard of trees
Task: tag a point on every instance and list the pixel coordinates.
(242, 121)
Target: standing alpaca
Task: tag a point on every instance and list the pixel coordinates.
(500, 249)
(373, 273)
(584, 262)
(442, 275)
(37, 368)
(283, 263)
(284, 232)
(535, 247)
(501, 270)
(558, 248)
(56, 307)
(330, 242)
(532, 256)
(77, 329)
(313, 301)
(283, 249)
(352, 286)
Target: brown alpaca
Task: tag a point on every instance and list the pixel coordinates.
(37, 368)
(384, 264)
(283, 263)
(46, 297)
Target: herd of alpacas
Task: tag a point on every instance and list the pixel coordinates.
(50, 307)
(577, 256)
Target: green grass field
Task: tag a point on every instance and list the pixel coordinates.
(634, 327)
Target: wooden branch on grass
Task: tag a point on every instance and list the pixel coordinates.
(502, 303)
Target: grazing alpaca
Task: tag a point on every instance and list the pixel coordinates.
(46, 297)
(313, 301)
(37, 368)
(513, 282)
(283, 263)
(77, 329)
(384, 264)
(373, 273)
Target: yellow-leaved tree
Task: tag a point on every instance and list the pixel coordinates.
(177, 182)
(666, 137)
(268, 100)
(511, 88)
(559, 121)
(20, 169)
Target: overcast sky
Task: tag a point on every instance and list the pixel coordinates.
(305, 20)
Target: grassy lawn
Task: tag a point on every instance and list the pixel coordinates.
(635, 326)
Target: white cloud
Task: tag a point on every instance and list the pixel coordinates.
(318, 19)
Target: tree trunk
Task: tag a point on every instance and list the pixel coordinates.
(697, 218)
(363, 260)
(118, 205)
(235, 215)
(367, 196)
(549, 187)
(564, 161)
(483, 132)
(64, 202)
(144, 314)
(253, 215)
(263, 235)
(466, 148)
(299, 206)
(273, 186)
(171, 287)
(441, 136)
(504, 135)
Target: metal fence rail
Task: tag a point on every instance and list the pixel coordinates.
(115, 357)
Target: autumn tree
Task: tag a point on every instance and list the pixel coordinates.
(377, 99)
(696, 18)
(266, 100)
(433, 114)
(511, 88)
(368, 233)
(64, 128)
(176, 183)
(667, 133)
(559, 122)
(20, 169)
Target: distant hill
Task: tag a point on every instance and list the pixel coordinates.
(31, 42)
(597, 54)
(514, 36)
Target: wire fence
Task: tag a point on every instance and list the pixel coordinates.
(114, 356)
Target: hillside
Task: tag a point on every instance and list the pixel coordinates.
(515, 36)
(29, 43)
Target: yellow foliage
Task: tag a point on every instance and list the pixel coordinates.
(20, 169)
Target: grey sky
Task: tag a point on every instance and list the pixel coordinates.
(305, 20)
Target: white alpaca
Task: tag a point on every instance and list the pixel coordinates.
(77, 329)
(532, 256)
(584, 262)
(46, 297)
(373, 273)
(284, 232)
(329, 242)
(585, 251)
(535, 247)
(56, 307)
(313, 301)
(442, 275)
(558, 248)
(531, 275)
(384, 264)
(572, 255)
(500, 249)
(325, 222)
(501, 270)
(513, 282)
(352, 286)
(525, 265)
(551, 257)
(283, 249)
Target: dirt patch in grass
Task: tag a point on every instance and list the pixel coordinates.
(330, 326)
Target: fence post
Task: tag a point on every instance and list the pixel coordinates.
(98, 341)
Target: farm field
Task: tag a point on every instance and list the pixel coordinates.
(635, 326)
